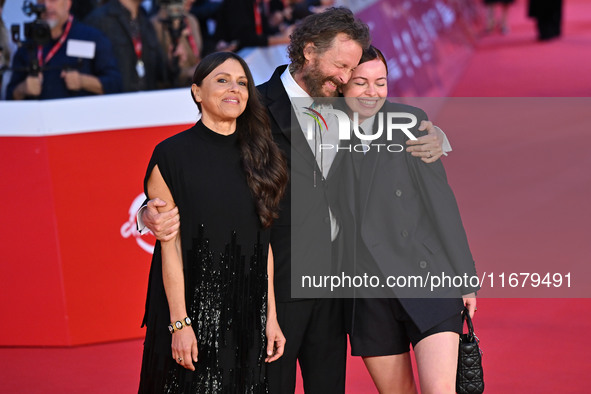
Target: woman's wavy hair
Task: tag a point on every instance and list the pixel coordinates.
(321, 30)
(266, 171)
(373, 53)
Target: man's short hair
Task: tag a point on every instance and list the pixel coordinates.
(321, 29)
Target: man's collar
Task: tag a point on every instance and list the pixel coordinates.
(293, 89)
(367, 125)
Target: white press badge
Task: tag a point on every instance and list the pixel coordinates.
(80, 49)
(139, 68)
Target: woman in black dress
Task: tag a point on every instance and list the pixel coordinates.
(210, 310)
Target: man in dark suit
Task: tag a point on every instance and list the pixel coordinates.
(324, 50)
(135, 45)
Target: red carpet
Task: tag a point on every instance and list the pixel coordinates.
(516, 65)
(524, 199)
(530, 346)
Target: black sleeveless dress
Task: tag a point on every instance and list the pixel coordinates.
(225, 270)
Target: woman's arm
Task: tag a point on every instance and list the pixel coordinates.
(184, 342)
(275, 337)
(470, 303)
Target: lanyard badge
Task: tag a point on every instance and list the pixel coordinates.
(137, 46)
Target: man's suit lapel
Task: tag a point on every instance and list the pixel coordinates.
(282, 112)
(278, 103)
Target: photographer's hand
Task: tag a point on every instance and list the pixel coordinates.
(30, 87)
(76, 81)
(72, 79)
(34, 85)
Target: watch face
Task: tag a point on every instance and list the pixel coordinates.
(188, 320)
(178, 325)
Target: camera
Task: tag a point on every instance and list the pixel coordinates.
(174, 18)
(174, 8)
(174, 22)
(37, 33)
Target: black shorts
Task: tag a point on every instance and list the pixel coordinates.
(383, 328)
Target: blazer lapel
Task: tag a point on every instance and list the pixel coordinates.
(339, 157)
(282, 113)
(278, 103)
(357, 157)
(367, 170)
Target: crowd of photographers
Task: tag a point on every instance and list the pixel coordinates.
(83, 47)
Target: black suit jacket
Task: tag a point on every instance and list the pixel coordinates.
(113, 20)
(408, 224)
(236, 22)
(301, 237)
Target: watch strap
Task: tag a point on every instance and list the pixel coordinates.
(179, 324)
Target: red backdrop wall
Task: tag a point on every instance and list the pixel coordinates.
(73, 271)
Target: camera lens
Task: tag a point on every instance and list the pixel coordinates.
(38, 31)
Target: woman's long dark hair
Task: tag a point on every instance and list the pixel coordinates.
(266, 171)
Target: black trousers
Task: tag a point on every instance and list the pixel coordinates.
(316, 337)
(548, 14)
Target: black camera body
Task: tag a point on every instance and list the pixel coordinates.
(174, 19)
(37, 33)
(174, 8)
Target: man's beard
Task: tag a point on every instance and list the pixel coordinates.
(52, 23)
(314, 80)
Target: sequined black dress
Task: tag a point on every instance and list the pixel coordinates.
(225, 268)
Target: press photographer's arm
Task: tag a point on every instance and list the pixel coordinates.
(75, 80)
(30, 87)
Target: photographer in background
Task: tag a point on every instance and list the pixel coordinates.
(4, 45)
(81, 8)
(249, 23)
(62, 57)
(135, 44)
(180, 38)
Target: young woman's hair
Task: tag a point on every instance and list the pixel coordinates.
(373, 53)
(266, 171)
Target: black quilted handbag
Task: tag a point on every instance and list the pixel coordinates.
(469, 379)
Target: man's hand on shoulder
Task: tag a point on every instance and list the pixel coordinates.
(427, 147)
